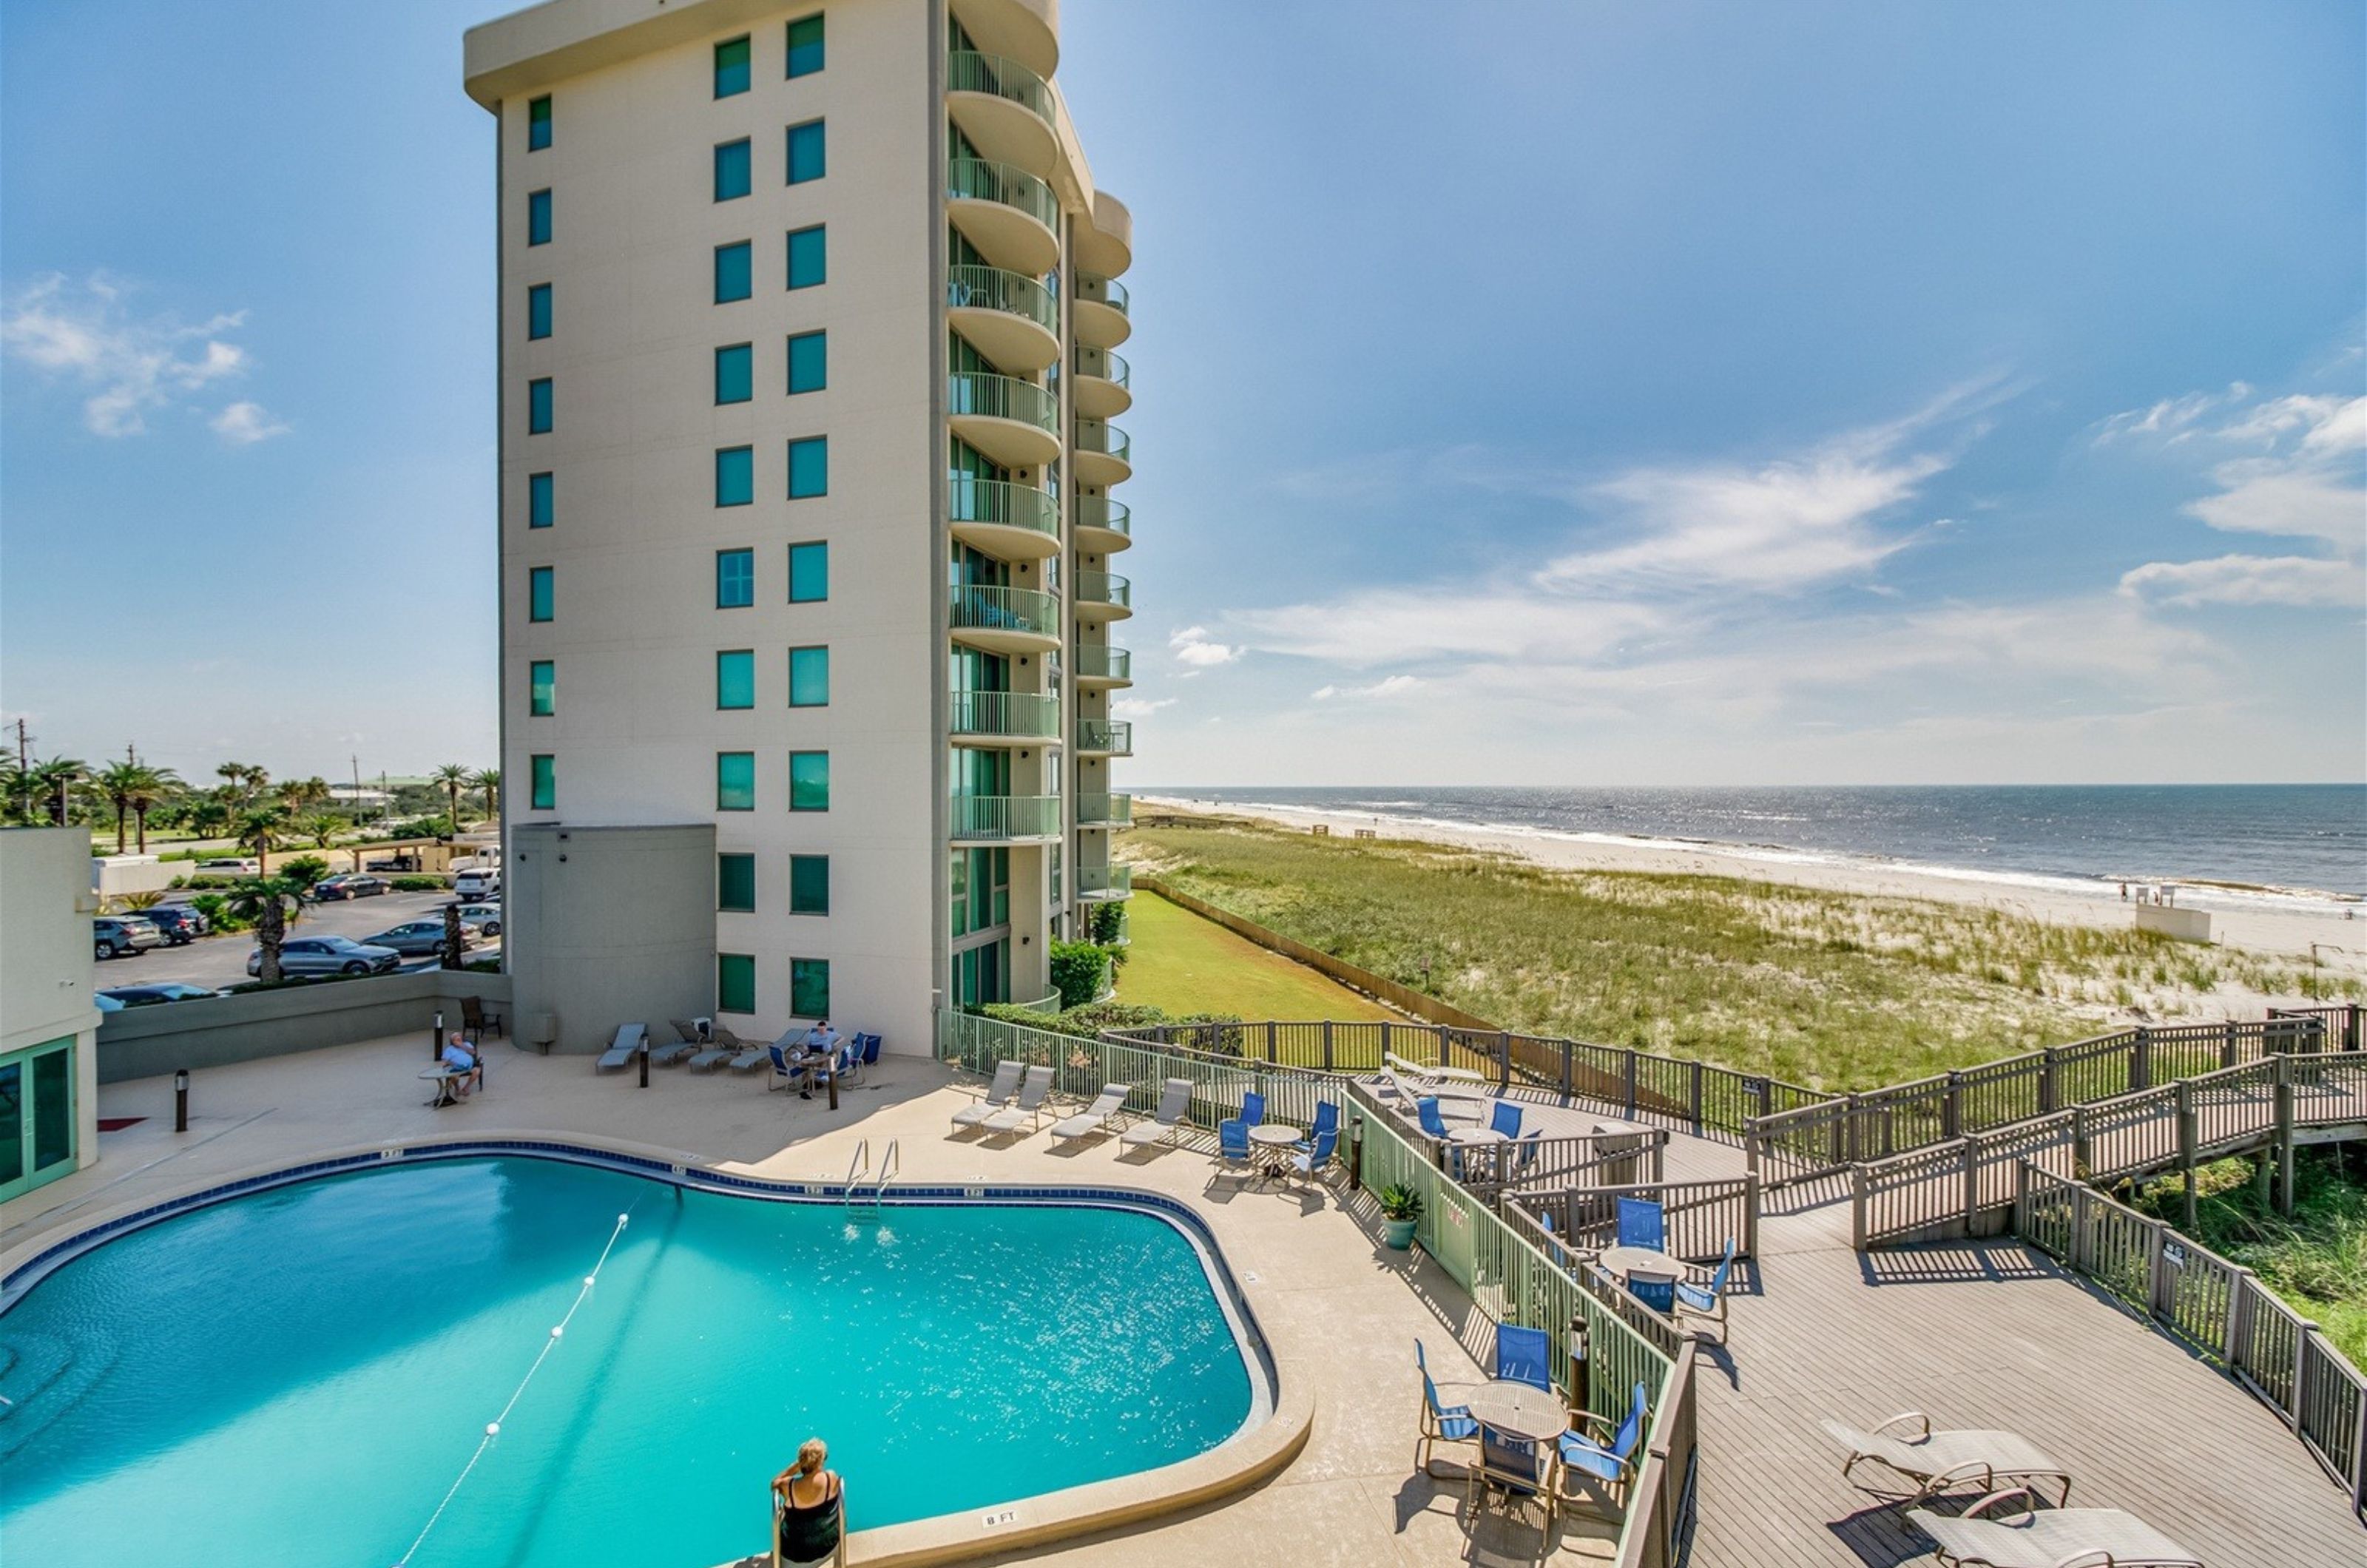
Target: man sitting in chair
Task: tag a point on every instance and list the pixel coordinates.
(461, 1063)
(814, 1053)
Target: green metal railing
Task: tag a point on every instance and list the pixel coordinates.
(1103, 363)
(1019, 715)
(1106, 881)
(995, 289)
(1003, 396)
(970, 607)
(1101, 511)
(1105, 588)
(998, 501)
(978, 179)
(1114, 736)
(1100, 662)
(1099, 436)
(1106, 292)
(1104, 810)
(969, 72)
(1005, 817)
(1048, 1006)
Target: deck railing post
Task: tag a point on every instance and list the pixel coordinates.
(2187, 1138)
(1857, 1207)
(1503, 1061)
(1846, 1137)
(2082, 1239)
(2156, 1279)
(1566, 1089)
(1751, 1136)
(2284, 1145)
(1327, 1044)
(2079, 1148)
(2021, 1198)
(1631, 1080)
(2048, 1066)
(2240, 1289)
(2227, 1046)
(1442, 1045)
(1272, 1051)
(2140, 1059)
(1696, 1097)
(1951, 1111)
(1751, 1221)
(1972, 1157)
(2302, 1332)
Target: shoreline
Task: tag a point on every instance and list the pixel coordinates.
(2292, 925)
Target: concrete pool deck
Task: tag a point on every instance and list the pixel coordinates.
(1338, 1309)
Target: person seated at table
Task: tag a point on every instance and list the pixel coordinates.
(821, 1040)
(461, 1065)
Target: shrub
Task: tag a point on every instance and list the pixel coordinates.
(216, 909)
(418, 884)
(1090, 1021)
(484, 965)
(304, 870)
(1080, 972)
(1103, 923)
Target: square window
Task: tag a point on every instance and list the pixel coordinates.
(538, 123)
(540, 500)
(736, 780)
(808, 987)
(735, 883)
(541, 688)
(808, 574)
(809, 362)
(735, 982)
(735, 476)
(735, 578)
(543, 777)
(735, 372)
(732, 68)
(805, 45)
(537, 310)
(809, 467)
(805, 152)
(808, 780)
(808, 677)
(538, 407)
(734, 278)
(538, 218)
(808, 264)
(731, 170)
(809, 885)
(537, 594)
(735, 679)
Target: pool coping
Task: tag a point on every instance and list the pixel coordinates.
(1277, 1428)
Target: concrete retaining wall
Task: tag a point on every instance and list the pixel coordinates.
(139, 1042)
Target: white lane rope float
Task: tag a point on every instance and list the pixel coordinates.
(494, 1427)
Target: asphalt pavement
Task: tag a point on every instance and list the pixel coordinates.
(219, 961)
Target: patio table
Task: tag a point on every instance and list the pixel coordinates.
(446, 1081)
(1472, 1140)
(1271, 1142)
(1518, 1410)
(1625, 1260)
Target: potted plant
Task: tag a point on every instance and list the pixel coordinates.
(1401, 1212)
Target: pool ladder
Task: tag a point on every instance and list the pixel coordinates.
(889, 1165)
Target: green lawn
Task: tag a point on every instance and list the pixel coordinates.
(1186, 965)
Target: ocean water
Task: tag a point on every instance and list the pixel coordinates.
(2240, 843)
(296, 1376)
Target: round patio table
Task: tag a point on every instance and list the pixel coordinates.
(1271, 1142)
(1478, 1138)
(1518, 1410)
(1625, 1260)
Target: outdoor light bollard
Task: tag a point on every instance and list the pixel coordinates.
(181, 1101)
(645, 1059)
(834, 1086)
(436, 1038)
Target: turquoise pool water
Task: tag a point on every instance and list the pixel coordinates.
(296, 1376)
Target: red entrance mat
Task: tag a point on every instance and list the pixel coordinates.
(116, 1123)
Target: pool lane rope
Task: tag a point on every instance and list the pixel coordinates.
(494, 1427)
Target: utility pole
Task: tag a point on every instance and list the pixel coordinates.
(24, 780)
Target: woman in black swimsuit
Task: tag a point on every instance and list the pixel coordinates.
(809, 1510)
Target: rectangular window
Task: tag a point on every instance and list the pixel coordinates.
(732, 68)
(735, 982)
(538, 407)
(736, 780)
(735, 476)
(538, 123)
(537, 310)
(537, 594)
(538, 218)
(735, 883)
(540, 502)
(805, 45)
(807, 265)
(732, 179)
(542, 688)
(808, 987)
(810, 884)
(735, 372)
(808, 677)
(544, 793)
(809, 362)
(735, 679)
(808, 780)
(734, 276)
(809, 467)
(808, 574)
(805, 152)
(735, 578)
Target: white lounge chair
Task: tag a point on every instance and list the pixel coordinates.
(1171, 1119)
(687, 1043)
(997, 1097)
(1939, 1461)
(1028, 1109)
(723, 1047)
(1090, 1120)
(2048, 1537)
(622, 1049)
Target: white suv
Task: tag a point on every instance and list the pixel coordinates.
(477, 886)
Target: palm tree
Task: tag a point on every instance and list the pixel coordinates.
(161, 784)
(488, 781)
(454, 778)
(321, 827)
(243, 781)
(271, 903)
(260, 829)
(55, 780)
(210, 816)
(132, 786)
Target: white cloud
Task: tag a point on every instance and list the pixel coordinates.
(134, 365)
(2249, 579)
(1137, 707)
(1193, 647)
(1393, 686)
(2172, 417)
(243, 424)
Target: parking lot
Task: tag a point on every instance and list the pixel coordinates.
(219, 961)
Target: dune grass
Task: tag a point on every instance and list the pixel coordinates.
(1186, 965)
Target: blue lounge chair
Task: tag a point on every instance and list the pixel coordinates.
(630, 1038)
(1316, 1156)
(1708, 1300)
(1440, 1424)
(870, 1044)
(1523, 1355)
(1612, 1464)
(1252, 1108)
(1506, 1119)
(1426, 1110)
(1642, 1222)
(1233, 1143)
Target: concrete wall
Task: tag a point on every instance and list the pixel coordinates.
(144, 1042)
(114, 876)
(46, 904)
(611, 925)
(2179, 925)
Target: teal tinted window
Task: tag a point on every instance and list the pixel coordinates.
(735, 476)
(809, 467)
(538, 407)
(808, 574)
(542, 688)
(807, 264)
(734, 274)
(736, 780)
(735, 679)
(730, 67)
(805, 152)
(537, 594)
(541, 504)
(809, 362)
(735, 982)
(810, 884)
(808, 677)
(732, 178)
(537, 310)
(735, 578)
(808, 987)
(805, 45)
(538, 218)
(543, 794)
(735, 372)
(808, 780)
(735, 882)
(538, 123)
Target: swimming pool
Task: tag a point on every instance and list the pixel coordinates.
(297, 1375)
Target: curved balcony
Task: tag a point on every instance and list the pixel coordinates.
(1105, 242)
(1104, 810)
(993, 718)
(1099, 665)
(1003, 620)
(1103, 389)
(1025, 30)
(1005, 110)
(1103, 310)
(1004, 819)
(1012, 320)
(1012, 522)
(1105, 454)
(1103, 596)
(1097, 883)
(1102, 524)
(1016, 423)
(1009, 214)
(1105, 737)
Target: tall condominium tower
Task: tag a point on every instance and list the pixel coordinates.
(809, 326)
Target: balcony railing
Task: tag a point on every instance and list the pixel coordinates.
(1099, 661)
(1003, 396)
(1105, 882)
(1005, 817)
(1106, 292)
(1114, 736)
(998, 288)
(1105, 588)
(969, 72)
(970, 607)
(1104, 810)
(977, 179)
(1017, 716)
(1101, 511)
(1098, 435)
(1101, 362)
(1004, 504)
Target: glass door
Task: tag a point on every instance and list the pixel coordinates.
(37, 1116)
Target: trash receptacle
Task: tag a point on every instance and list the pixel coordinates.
(542, 1030)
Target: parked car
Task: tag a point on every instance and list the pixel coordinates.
(231, 865)
(180, 923)
(115, 999)
(477, 886)
(415, 938)
(393, 862)
(351, 885)
(120, 936)
(328, 955)
(486, 918)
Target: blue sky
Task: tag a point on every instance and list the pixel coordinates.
(1529, 393)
